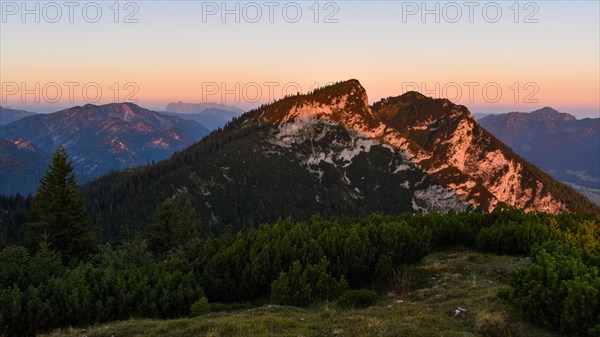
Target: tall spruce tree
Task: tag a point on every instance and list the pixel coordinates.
(58, 213)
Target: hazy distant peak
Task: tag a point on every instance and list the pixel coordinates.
(546, 111)
(9, 115)
(204, 107)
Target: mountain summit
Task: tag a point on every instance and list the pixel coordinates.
(546, 111)
(345, 103)
(329, 152)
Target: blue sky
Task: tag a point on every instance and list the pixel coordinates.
(177, 49)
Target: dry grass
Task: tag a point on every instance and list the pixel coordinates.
(491, 324)
(213, 332)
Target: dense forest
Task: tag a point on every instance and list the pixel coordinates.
(14, 213)
(60, 275)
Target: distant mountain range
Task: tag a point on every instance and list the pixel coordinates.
(8, 115)
(207, 107)
(329, 152)
(480, 115)
(566, 147)
(99, 139)
(211, 115)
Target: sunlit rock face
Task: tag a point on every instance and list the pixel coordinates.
(434, 135)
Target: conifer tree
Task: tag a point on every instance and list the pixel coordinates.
(173, 224)
(58, 212)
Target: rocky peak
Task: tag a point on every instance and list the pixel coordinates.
(440, 137)
(345, 103)
(449, 134)
(415, 111)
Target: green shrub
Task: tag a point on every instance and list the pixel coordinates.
(200, 307)
(514, 237)
(41, 294)
(559, 291)
(324, 285)
(360, 298)
(300, 286)
(292, 288)
(451, 229)
(12, 262)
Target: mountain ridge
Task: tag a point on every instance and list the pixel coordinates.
(329, 152)
(103, 138)
(356, 94)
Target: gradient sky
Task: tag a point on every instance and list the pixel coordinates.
(172, 55)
